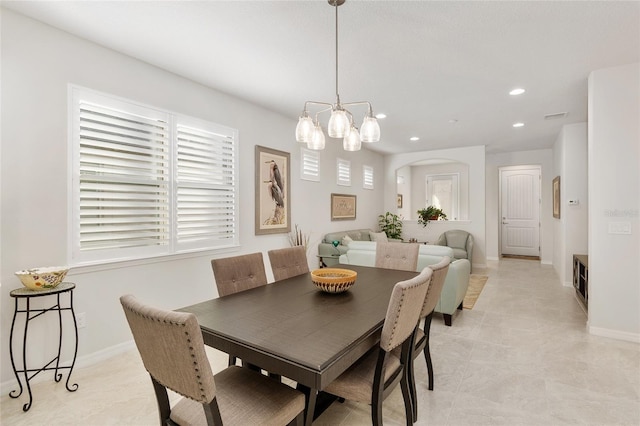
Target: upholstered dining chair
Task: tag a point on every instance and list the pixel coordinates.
(172, 351)
(421, 338)
(372, 378)
(238, 273)
(288, 262)
(403, 256)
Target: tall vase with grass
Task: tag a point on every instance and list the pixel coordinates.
(299, 238)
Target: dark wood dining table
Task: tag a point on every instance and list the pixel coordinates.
(293, 329)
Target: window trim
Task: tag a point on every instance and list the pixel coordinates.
(343, 166)
(369, 169)
(309, 155)
(145, 254)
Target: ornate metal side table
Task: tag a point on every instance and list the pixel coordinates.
(25, 295)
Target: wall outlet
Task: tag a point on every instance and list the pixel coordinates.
(81, 319)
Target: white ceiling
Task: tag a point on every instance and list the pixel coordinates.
(423, 63)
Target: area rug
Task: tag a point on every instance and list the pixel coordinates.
(476, 284)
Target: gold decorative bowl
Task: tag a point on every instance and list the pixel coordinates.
(333, 280)
(42, 278)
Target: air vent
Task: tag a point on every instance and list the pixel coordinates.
(555, 116)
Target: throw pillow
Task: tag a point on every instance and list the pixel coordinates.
(378, 237)
(346, 240)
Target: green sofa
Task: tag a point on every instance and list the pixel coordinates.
(455, 285)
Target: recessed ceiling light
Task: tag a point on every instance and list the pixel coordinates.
(381, 115)
(517, 91)
(518, 124)
(414, 138)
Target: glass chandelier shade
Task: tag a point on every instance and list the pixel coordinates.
(352, 141)
(341, 120)
(305, 128)
(318, 140)
(370, 130)
(338, 123)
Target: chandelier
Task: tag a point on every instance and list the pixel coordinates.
(341, 123)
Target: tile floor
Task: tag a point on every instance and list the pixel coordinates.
(521, 356)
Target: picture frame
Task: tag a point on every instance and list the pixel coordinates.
(272, 191)
(556, 197)
(343, 207)
(399, 201)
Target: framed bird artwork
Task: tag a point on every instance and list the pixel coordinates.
(273, 195)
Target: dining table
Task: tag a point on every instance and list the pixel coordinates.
(293, 329)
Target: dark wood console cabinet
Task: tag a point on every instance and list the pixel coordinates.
(581, 277)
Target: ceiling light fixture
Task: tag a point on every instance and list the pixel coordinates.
(518, 124)
(516, 92)
(341, 123)
(414, 138)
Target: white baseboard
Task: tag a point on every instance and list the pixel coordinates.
(81, 362)
(493, 258)
(615, 334)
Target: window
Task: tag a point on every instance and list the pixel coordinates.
(310, 165)
(367, 177)
(147, 182)
(344, 172)
(442, 192)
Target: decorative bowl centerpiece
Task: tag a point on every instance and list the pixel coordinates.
(42, 278)
(333, 280)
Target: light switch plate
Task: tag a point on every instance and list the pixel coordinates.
(621, 228)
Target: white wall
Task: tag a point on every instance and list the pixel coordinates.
(570, 231)
(38, 63)
(475, 158)
(541, 157)
(614, 198)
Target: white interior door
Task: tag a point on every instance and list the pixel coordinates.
(520, 208)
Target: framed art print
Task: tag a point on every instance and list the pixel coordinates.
(273, 195)
(556, 197)
(343, 207)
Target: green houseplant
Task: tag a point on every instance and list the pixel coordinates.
(390, 224)
(429, 214)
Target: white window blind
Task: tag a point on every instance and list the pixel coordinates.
(146, 184)
(310, 165)
(344, 172)
(205, 196)
(367, 177)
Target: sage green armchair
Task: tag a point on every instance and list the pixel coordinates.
(460, 241)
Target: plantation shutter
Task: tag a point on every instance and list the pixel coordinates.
(367, 177)
(310, 165)
(147, 182)
(205, 180)
(344, 172)
(124, 182)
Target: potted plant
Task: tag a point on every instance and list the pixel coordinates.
(429, 214)
(391, 224)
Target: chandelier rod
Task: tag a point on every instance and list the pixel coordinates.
(337, 94)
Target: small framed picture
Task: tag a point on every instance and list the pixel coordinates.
(343, 207)
(556, 197)
(399, 201)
